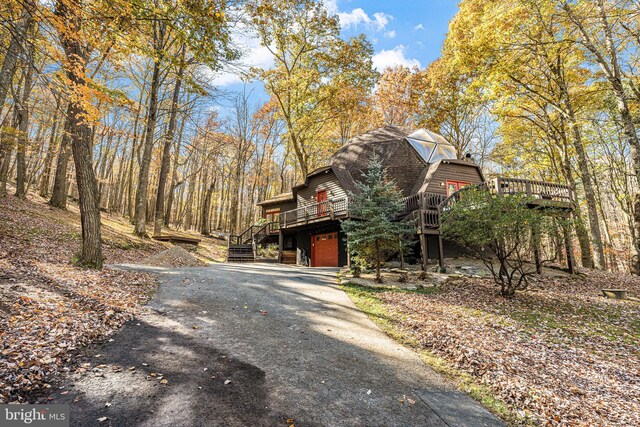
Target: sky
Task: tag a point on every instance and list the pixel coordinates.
(403, 32)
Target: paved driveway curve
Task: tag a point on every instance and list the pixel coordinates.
(260, 345)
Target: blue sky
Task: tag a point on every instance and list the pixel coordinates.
(407, 32)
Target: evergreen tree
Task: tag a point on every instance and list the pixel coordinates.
(374, 233)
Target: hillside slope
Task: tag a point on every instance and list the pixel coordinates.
(50, 309)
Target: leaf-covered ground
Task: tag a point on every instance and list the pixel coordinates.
(558, 354)
(49, 309)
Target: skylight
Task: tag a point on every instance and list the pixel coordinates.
(431, 146)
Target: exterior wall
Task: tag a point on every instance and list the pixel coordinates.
(303, 239)
(455, 172)
(324, 181)
(283, 206)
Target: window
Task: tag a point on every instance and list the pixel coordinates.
(453, 186)
(273, 215)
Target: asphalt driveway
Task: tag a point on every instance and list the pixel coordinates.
(259, 345)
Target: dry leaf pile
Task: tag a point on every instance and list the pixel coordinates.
(48, 307)
(559, 354)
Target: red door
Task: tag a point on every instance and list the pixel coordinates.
(321, 198)
(324, 250)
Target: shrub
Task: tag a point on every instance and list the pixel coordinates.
(502, 231)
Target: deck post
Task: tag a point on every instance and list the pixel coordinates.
(568, 248)
(280, 245)
(440, 253)
(425, 251)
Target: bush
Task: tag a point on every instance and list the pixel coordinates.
(502, 231)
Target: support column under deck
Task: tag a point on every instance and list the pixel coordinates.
(440, 253)
(425, 251)
(280, 245)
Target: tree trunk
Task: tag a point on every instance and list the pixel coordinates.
(586, 257)
(51, 149)
(378, 261)
(16, 44)
(22, 115)
(166, 152)
(80, 135)
(174, 178)
(205, 217)
(143, 179)
(589, 193)
(59, 193)
(6, 152)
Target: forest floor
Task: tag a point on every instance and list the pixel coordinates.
(559, 353)
(49, 308)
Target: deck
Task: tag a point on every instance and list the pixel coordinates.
(425, 207)
(539, 194)
(327, 210)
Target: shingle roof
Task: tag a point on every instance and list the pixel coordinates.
(403, 164)
(283, 197)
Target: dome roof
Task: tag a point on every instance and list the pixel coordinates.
(431, 146)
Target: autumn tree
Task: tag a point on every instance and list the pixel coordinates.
(312, 63)
(397, 96)
(540, 71)
(201, 30)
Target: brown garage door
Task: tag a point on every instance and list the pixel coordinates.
(324, 250)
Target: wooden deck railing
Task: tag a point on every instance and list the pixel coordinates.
(327, 209)
(540, 193)
(535, 189)
(422, 201)
(253, 232)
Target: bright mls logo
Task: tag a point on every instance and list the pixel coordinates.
(34, 415)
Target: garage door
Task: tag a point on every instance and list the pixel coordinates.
(324, 250)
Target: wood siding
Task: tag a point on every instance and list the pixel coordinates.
(325, 181)
(283, 206)
(454, 172)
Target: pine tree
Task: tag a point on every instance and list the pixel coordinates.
(375, 233)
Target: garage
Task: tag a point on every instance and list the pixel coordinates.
(324, 250)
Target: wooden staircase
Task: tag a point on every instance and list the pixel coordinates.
(242, 247)
(241, 253)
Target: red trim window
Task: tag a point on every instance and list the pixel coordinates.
(321, 196)
(453, 186)
(272, 215)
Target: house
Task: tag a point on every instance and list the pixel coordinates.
(424, 166)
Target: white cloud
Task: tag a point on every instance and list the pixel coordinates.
(390, 34)
(381, 20)
(253, 55)
(418, 27)
(393, 57)
(331, 6)
(354, 18)
(358, 17)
